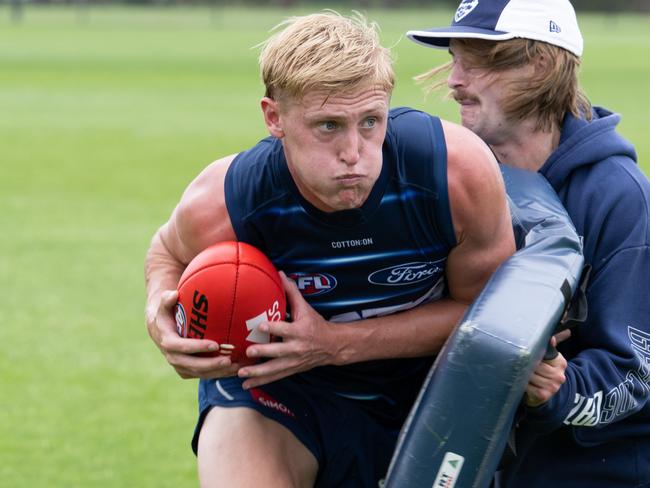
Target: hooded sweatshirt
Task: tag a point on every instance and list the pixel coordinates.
(607, 391)
(606, 396)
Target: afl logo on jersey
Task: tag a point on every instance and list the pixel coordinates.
(406, 274)
(312, 284)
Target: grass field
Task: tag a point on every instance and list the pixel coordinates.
(105, 116)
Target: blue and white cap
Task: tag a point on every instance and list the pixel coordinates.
(552, 21)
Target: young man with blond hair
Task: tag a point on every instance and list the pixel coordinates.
(405, 214)
(514, 73)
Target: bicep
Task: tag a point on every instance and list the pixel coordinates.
(480, 215)
(201, 218)
(477, 256)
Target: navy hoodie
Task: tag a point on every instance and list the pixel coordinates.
(606, 397)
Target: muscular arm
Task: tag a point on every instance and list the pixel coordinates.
(480, 214)
(199, 220)
(484, 239)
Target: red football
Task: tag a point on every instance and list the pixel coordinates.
(225, 292)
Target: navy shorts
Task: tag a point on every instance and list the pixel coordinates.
(353, 448)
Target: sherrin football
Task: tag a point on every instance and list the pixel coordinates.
(224, 294)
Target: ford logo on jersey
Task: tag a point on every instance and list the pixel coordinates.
(406, 274)
(312, 284)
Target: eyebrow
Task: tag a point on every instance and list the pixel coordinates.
(326, 114)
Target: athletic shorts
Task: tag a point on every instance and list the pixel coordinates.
(352, 447)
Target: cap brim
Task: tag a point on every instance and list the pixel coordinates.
(439, 38)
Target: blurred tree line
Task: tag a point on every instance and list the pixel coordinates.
(582, 5)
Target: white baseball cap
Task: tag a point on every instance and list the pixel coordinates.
(552, 21)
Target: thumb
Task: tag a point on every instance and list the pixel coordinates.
(169, 298)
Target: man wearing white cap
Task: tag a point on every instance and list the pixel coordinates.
(586, 423)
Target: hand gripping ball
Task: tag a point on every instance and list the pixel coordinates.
(224, 294)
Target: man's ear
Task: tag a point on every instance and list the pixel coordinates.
(542, 64)
(271, 113)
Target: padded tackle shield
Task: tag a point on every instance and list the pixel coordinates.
(459, 425)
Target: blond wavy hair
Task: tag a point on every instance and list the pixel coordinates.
(547, 96)
(325, 51)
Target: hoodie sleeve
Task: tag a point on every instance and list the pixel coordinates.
(607, 391)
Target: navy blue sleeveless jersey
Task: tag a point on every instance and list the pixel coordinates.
(386, 256)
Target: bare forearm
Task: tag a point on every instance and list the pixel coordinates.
(162, 272)
(309, 341)
(417, 332)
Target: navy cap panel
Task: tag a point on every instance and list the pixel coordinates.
(479, 13)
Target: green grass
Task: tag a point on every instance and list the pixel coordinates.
(105, 116)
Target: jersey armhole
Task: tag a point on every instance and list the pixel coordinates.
(443, 207)
(235, 208)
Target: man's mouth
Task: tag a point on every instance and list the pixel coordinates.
(349, 178)
(466, 101)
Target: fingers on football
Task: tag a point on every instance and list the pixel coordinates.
(200, 367)
(173, 343)
(278, 328)
(271, 350)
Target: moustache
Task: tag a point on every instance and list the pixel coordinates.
(461, 97)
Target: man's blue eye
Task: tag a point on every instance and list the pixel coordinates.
(329, 125)
(371, 122)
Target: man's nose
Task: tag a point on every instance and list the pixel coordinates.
(457, 76)
(350, 152)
